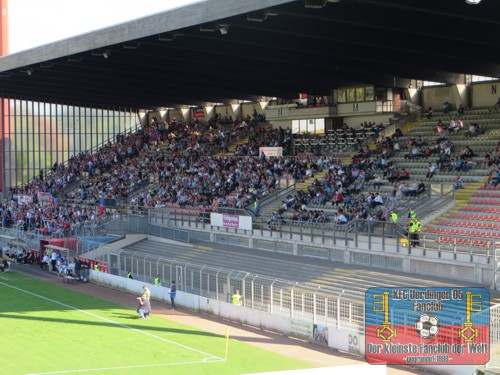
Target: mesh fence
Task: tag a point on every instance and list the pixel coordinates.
(328, 306)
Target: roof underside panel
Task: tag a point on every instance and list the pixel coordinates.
(293, 49)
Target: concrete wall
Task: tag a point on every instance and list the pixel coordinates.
(485, 94)
(435, 97)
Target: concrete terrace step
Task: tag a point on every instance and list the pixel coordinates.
(309, 271)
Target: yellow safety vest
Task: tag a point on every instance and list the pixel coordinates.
(236, 299)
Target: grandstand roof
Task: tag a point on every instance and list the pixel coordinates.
(217, 50)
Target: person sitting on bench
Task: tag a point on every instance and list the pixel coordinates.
(44, 264)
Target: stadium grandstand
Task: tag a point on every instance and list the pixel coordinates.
(277, 147)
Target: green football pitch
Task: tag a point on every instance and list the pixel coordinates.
(47, 329)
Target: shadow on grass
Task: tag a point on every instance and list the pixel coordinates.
(141, 324)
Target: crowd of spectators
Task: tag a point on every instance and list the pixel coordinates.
(18, 254)
(185, 165)
(179, 155)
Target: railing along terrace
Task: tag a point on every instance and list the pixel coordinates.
(379, 235)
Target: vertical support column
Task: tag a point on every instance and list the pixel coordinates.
(4, 104)
(4, 28)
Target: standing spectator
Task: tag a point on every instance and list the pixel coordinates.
(45, 262)
(393, 222)
(85, 270)
(157, 281)
(53, 260)
(236, 299)
(78, 267)
(129, 274)
(256, 206)
(414, 228)
(173, 293)
(147, 293)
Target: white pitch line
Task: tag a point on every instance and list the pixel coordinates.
(119, 368)
(113, 322)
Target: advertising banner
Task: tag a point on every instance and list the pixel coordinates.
(198, 113)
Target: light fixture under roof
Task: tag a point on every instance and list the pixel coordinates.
(75, 58)
(28, 71)
(169, 37)
(208, 27)
(223, 29)
(261, 16)
(104, 53)
(132, 45)
(472, 2)
(315, 4)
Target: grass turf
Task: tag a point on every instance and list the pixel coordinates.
(47, 329)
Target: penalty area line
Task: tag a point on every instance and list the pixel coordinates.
(113, 322)
(127, 367)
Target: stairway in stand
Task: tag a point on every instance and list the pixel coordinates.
(309, 182)
(474, 219)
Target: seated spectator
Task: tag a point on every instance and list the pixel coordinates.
(405, 175)
(466, 152)
(377, 200)
(460, 165)
(414, 154)
(421, 187)
(429, 113)
(445, 165)
(412, 190)
(431, 170)
(393, 175)
(377, 182)
(447, 107)
(427, 152)
(473, 130)
(453, 127)
(340, 218)
(461, 109)
(495, 178)
(458, 184)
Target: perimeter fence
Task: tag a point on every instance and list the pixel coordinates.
(328, 306)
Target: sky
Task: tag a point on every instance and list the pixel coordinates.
(33, 23)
